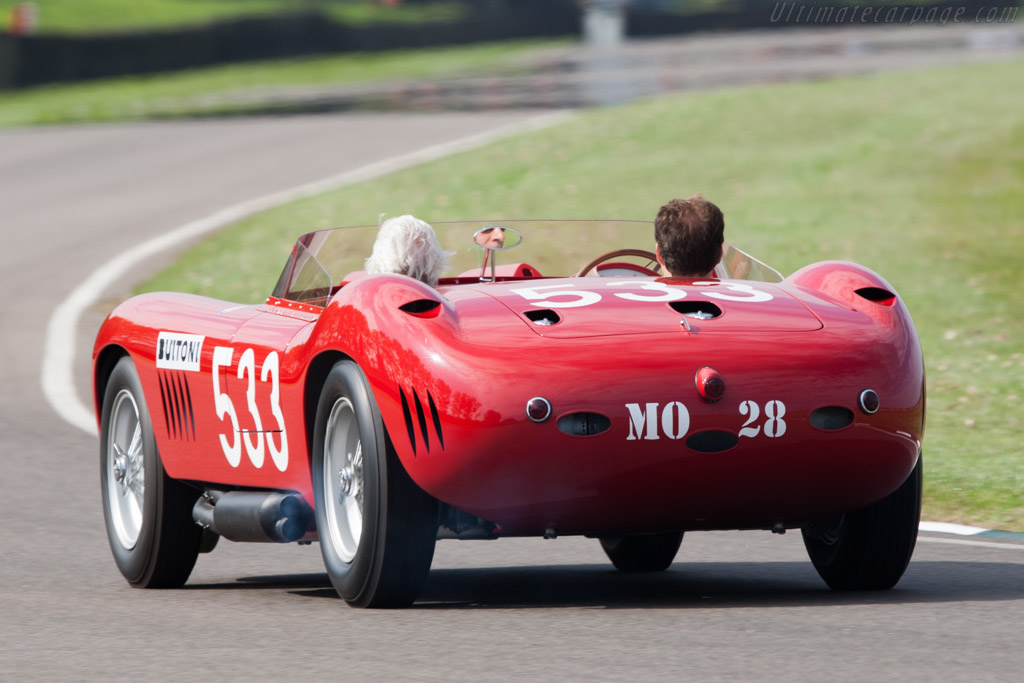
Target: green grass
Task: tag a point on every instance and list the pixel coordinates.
(214, 90)
(918, 176)
(109, 16)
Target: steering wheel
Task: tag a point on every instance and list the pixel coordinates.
(617, 253)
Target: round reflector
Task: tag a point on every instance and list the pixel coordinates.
(710, 384)
(869, 402)
(538, 409)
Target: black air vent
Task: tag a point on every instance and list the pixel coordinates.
(584, 424)
(877, 294)
(703, 310)
(831, 418)
(422, 308)
(712, 441)
(543, 317)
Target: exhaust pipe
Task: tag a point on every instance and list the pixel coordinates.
(253, 516)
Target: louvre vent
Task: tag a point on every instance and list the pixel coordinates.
(420, 419)
(408, 421)
(176, 397)
(437, 420)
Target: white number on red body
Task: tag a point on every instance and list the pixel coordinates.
(544, 295)
(651, 421)
(742, 291)
(774, 425)
(568, 295)
(256, 440)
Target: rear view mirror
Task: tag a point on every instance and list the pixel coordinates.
(491, 239)
(497, 237)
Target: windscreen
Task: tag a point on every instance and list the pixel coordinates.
(324, 259)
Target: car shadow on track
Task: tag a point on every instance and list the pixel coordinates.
(711, 584)
(290, 582)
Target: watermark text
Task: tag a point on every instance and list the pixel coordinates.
(813, 13)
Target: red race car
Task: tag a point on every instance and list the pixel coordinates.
(552, 393)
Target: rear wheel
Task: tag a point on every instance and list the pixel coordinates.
(642, 552)
(148, 515)
(377, 528)
(868, 549)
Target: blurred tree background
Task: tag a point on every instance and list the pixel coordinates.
(46, 41)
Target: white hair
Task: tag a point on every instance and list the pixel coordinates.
(408, 246)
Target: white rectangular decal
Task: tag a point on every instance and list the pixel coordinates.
(176, 351)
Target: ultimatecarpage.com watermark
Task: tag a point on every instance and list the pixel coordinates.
(814, 13)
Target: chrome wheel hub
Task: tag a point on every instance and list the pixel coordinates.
(120, 467)
(126, 469)
(350, 476)
(343, 480)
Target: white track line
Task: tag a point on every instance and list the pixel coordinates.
(59, 351)
(963, 541)
(947, 528)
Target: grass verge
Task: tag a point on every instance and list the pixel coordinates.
(109, 16)
(223, 89)
(916, 175)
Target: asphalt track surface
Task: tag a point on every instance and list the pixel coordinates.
(734, 605)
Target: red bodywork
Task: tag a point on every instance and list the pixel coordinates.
(452, 380)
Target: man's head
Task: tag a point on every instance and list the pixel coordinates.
(689, 234)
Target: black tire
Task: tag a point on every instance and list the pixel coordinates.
(642, 552)
(149, 518)
(869, 549)
(377, 528)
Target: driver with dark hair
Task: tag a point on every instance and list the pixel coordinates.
(689, 234)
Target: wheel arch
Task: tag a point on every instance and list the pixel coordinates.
(104, 364)
(316, 374)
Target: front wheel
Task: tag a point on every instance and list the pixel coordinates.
(642, 552)
(868, 549)
(148, 515)
(377, 528)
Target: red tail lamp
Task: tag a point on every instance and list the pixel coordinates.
(869, 401)
(710, 384)
(538, 409)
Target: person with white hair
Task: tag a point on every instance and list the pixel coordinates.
(407, 246)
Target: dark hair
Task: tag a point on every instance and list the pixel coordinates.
(689, 233)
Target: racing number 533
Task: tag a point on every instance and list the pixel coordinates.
(569, 296)
(255, 439)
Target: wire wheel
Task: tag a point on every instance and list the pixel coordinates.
(125, 469)
(343, 479)
(377, 528)
(148, 514)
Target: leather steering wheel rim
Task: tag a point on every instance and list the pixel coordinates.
(615, 254)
